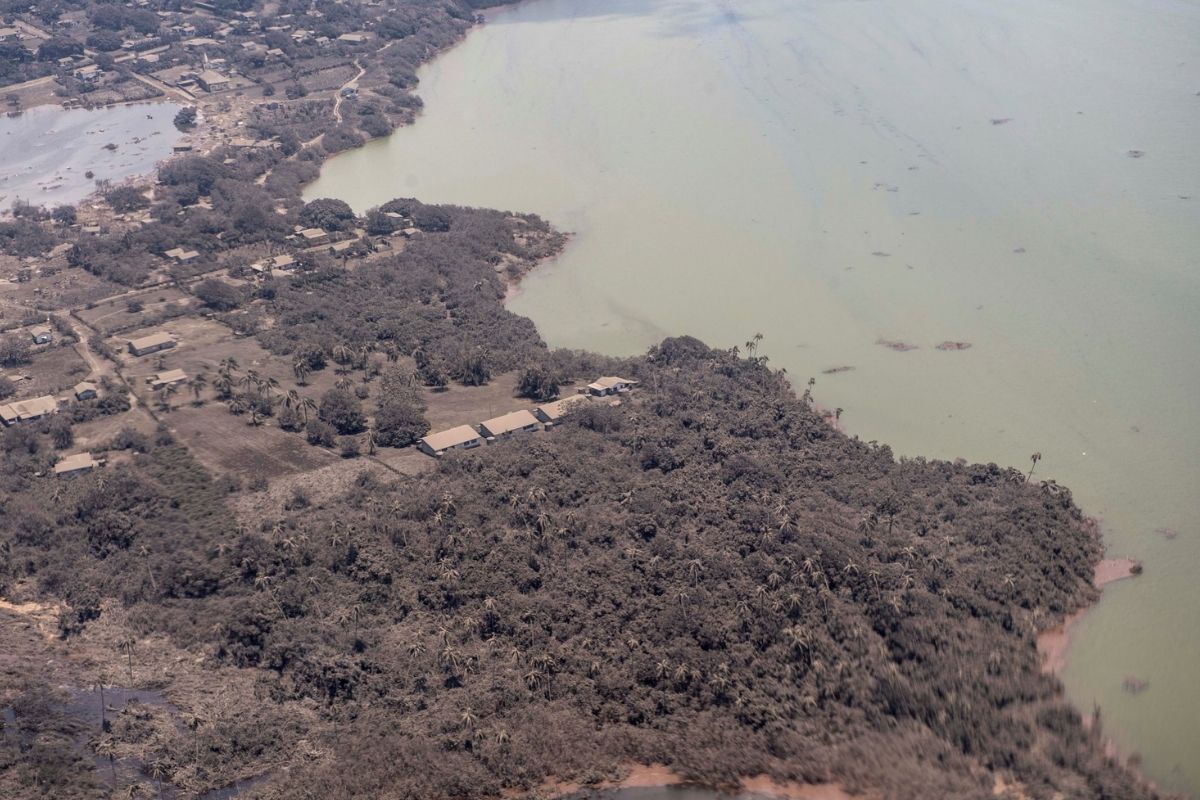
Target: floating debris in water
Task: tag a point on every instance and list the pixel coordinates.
(836, 370)
(881, 254)
(948, 345)
(1018, 250)
(1001, 120)
(1170, 534)
(1134, 685)
(894, 344)
(1136, 153)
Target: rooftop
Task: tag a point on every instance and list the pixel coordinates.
(75, 462)
(153, 340)
(512, 421)
(453, 437)
(27, 409)
(609, 381)
(560, 408)
(170, 376)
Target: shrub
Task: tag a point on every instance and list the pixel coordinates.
(399, 423)
(538, 383)
(342, 410)
(320, 433)
(124, 199)
(186, 118)
(218, 295)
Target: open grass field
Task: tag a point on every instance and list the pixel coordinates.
(131, 311)
(54, 370)
(228, 444)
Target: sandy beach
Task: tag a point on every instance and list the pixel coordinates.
(1053, 643)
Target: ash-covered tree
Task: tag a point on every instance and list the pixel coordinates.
(471, 368)
(124, 199)
(218, 295)
(327, 213)
(14, 350)
(537, 382)
(399, 417)
(186, 118)
(343, 411)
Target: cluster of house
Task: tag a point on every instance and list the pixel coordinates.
(35, 408)
(465, 437)
(28, 410)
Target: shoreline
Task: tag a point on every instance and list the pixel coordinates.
(656, 776)
(1054, 642)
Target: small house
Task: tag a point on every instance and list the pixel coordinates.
(151, 344)
(180, 256)
(314, 236)
(609, 385)
(86, 390)
(464, 437)
(169, 378)
(508, 424)
(75, 464)
(551, 413)
(27, 410)
(353, 38)
(89, 74)
(212, 81)
(9, 35)
(42, 335)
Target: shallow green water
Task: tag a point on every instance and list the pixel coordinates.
(46, 152)
(834, 173)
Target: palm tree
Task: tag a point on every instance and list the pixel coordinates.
(291, 400)
(194, 722)
(106, 747)
(343, 355)
(223, 385)
(126, 646)
(1033, 459)
(158, 770)
(301, 369)
(100, 681)
(268, 386)
(229, 365)
(165, 393)
(343, 383)
(197, 385)
(307, 404)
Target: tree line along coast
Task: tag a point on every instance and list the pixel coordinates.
(258, 583)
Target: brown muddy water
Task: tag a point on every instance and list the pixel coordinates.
(862, 182)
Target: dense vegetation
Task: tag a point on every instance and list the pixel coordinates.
(711, 577)
(708, 576)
